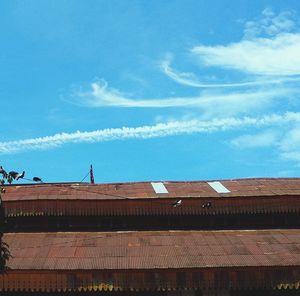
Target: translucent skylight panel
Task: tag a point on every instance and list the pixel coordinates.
(218, 187)
(159, 187)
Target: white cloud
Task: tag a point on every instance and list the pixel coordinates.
(147, 132)
(211, 103)
(290, 144)
(102, 95)
(268, 53)
(189, 79)
(291, 155)
(185, 78)
(270, 24)
(292, 139)
(286, 140)
(267, 56)
(274, 59)
(259, 140)
(277, 56)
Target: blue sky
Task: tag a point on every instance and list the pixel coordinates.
(150, 90)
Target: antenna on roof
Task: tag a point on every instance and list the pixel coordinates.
(92, 175)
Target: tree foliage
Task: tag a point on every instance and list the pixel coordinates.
(4, 247)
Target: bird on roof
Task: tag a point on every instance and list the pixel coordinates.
(13, 174)
(177, 203)
(206, 205)
(3, 172)
(20, 176)
(37, 179)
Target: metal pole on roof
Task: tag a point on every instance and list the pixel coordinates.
(92, 175)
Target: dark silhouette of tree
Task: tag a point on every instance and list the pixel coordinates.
(4, 248)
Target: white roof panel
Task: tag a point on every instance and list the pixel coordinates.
(159, 187)
(218, 187)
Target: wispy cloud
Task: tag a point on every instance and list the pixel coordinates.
(290, 144)
(273, 58)
(258, 140)
(147, 132)
(190, 79)
(270, 47)
(270, 24)
(277, 56)
(100, 95)
(285, 139)
(267, 61)
(268, 53)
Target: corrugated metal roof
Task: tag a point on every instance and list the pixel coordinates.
(158, 206)
(141, 190)
(245, 196)
(153, 249)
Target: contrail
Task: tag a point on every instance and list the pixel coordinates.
(147, 131)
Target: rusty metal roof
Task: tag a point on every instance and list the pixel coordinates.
(141, 190)
(153, 249)
(139, 198)
(142, 207)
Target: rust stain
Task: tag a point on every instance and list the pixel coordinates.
(238, 188)
(155, 249)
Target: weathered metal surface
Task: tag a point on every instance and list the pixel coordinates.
(158, 280)
(153, 250)
(245, 196)
(140, 190)
(144, 207)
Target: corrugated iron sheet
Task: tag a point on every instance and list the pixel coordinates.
(140, 190)
(168, 280)
(153, 250)
(245, 196)
(144, 207)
